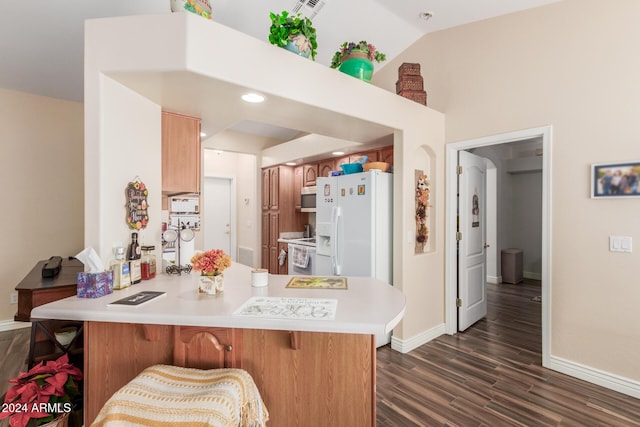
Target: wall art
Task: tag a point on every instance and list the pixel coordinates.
(422, 206)
(615, 180)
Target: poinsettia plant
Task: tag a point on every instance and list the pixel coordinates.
(41, 394)
(347, 48)
(213, 261)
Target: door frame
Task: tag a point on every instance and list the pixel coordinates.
(451, 274)
(233, 243)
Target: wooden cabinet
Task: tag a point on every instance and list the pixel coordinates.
(278, 214)
(302, 376)
(386, 155)
(297, 186)
(206, 348)
(372, 156)
(325, 167)
(310, 175)
(181, 154)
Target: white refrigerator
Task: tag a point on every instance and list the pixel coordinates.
(354, 219)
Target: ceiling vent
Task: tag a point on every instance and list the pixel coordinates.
(308, 8)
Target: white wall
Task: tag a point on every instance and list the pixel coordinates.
(526, 221)
(41, 171)
(243, 169)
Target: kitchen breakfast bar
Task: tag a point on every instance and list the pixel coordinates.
(310, 350)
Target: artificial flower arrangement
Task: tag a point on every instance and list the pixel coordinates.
(211, 262)
(41, 394)
(362, 46)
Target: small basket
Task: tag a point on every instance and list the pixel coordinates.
(407, 68)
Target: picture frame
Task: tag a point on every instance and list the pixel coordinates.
(615, 180)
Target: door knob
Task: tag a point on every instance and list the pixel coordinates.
(486, 245)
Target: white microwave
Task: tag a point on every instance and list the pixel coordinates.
(308, 199)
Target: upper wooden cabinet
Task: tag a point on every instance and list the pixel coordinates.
(325, 167)
(372, 156)
(298, 173)
(181, 154)
(310, 174)
(386, 155)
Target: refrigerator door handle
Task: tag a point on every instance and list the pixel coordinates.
(336, 217)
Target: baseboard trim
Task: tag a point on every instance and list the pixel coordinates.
(595, 376)
(10, 325)
(531, 275)
(496, 280)
(405, 346)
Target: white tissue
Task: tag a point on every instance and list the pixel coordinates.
(91, 260)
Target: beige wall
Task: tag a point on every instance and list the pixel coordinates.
(41, 171)
(572, 65)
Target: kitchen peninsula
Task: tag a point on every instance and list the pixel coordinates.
(306, 370)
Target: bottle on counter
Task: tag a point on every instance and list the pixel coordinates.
(148, 263)
(120, 267)
(133, 256)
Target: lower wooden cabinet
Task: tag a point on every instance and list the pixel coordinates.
(306, 379)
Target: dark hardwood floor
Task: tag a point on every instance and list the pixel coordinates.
(491, 375)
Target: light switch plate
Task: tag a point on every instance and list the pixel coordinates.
(620, 243)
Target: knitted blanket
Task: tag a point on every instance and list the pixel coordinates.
(164, 395)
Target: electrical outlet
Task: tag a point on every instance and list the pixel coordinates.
(13, 297)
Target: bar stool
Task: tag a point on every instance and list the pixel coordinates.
(168, 395)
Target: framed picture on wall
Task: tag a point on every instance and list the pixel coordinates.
(615, 180)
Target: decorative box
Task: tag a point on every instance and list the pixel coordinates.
(409, 83)
(95, 285)
(409, 69)
(415, 95)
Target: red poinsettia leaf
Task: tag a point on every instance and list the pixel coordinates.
(57, 381)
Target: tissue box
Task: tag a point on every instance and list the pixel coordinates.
(95, 285)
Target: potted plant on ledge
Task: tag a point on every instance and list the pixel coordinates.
(42, 396)
(294, 33)
(356, 59)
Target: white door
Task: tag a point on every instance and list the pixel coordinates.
(217, 214)
(472, 201)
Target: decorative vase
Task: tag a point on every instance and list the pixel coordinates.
(299, 45)
(358, 65)
(199, 7)
(211, 283)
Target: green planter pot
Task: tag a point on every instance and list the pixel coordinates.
(357, 65)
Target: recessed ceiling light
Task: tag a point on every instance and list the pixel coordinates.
(252, 97)
(290, 163)
(202, 134)
(338, 153)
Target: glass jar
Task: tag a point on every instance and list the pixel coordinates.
(148, 263)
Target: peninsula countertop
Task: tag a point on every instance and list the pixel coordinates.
(367, 306)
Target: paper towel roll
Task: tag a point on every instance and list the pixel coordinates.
(259, 277)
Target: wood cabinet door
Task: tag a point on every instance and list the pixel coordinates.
(273, 259)
(206, 348)
(266, 188)
(274, 188)
(180, 153)
(274, 228)
(284, 268)
(310, 175)
(298, 173)
(325, 167)
(372, 156)
(386, 155)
